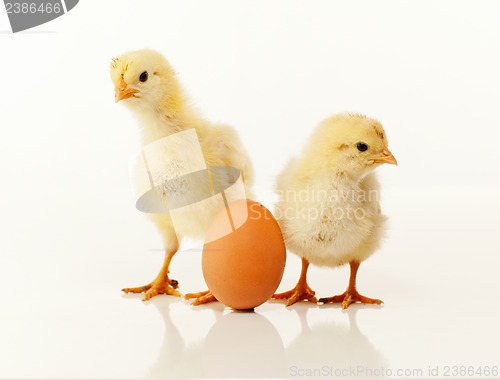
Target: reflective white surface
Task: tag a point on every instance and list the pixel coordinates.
(63, 310)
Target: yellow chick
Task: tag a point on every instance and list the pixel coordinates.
(146, 83)
(329, 209)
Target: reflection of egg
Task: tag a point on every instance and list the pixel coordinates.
(243, 266)
(243, 345)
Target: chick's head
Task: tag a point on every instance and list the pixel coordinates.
(350, 143)
(145, 79)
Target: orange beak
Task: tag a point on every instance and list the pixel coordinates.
(122, 91)
(385, 158)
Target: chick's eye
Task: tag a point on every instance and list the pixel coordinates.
(362, 147)
(144, 76)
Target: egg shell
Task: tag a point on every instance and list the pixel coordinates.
(244, 267)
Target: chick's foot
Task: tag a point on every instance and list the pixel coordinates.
(158, 286)
(348, 297)
(302, 291)
(201, 297)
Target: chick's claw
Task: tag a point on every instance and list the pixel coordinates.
(196, 295)
(349, 297)
(296, 294)
(201, 297)
(155, 288)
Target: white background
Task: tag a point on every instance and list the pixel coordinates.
(71, 238)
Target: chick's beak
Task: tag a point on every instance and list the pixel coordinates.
(122, 91)
(385, 157)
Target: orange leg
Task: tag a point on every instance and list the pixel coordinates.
(201, 297)
(351, 295)
(162, 284)
(302, 291)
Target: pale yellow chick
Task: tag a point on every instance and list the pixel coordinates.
(146, 83)
(329, 210)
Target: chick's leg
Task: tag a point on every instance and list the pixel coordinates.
(351, 295)
(162, 284)
(302, 291)
(201, 297)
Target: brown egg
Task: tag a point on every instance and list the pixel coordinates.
(244, 255)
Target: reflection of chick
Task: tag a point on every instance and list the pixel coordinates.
(329, 209)
(147, 84)
(173, 349)
(342, 346)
